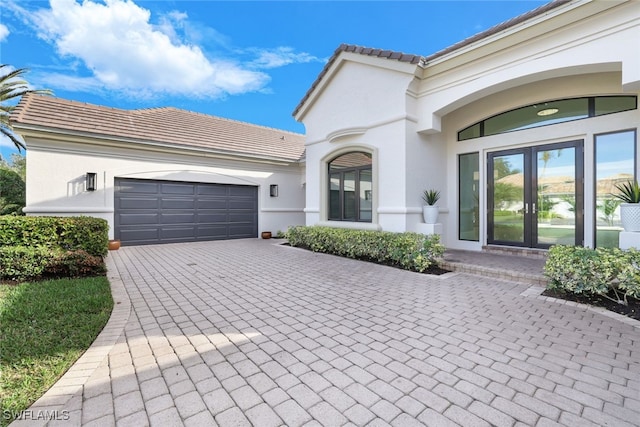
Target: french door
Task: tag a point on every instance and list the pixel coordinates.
(535, 196)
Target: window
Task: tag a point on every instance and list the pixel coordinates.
(350, 189)
(615, 164)
(468, 202)
(549, 113)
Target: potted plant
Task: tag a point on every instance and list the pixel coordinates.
(430, 210)
(629, 194)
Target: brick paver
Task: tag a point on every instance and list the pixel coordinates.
(250, 332)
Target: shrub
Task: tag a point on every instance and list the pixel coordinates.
(21, 262)
(598, 271)
(411, 251)
(76, 263)
(71, 233)
(36, 247)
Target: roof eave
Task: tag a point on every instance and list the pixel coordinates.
(122, 142)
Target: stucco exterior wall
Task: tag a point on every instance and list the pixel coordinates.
(409, 115)
(56, 179)
(585, 129)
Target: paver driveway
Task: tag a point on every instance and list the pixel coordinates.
(252, 332)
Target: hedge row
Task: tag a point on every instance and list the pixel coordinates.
(52, 247)
(601, 271)
(23, 263)
(411, 251)
(70, 233)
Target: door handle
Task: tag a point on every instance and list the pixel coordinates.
(533, 210)
(526, 208)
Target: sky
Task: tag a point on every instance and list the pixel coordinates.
(251, 61)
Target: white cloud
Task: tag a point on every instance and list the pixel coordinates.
(282, 56)
(4, 32)
(125, 52)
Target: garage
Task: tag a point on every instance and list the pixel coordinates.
(156, 211)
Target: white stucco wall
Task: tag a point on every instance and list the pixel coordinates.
(56, 179)
(586, 85)
(409, 116)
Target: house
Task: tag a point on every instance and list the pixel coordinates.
(160, 175)
(520, 127)
(523, 128)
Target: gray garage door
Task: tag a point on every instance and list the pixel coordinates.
(151, 212)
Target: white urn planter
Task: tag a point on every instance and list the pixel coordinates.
(630, 216)
(430, 214)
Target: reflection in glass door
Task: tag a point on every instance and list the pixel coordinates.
(507, 221)
(535, 196)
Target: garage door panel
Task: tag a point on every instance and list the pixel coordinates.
(207, 232)
(131, 186)
(139, 235)
(139, 203)
(242, 204)
(178, 233)
(178, 203)
(178, 218)
(241, 217)
(152, 212)
(213, 190)
(212, 218)
(242, 191)
(139, 218)
(185, 189)
(212, 204)
(240, 231)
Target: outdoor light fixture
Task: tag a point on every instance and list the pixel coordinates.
(273, 190)
(91, 181)
(548, 112)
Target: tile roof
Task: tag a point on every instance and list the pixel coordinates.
(423, 60)
(170, 126)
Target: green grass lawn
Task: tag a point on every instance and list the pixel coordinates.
(44, 328)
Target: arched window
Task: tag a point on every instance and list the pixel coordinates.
(549, 113)
(350, 189)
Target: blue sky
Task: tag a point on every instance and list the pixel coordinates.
(243, 60)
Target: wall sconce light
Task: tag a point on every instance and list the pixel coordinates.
(273, 190)
(91, 181)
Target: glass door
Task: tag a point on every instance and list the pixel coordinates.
(535, 196)
(508, 198)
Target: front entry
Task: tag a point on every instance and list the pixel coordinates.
(535, 196)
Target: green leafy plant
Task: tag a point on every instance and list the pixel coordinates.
(70, 233)
(431, 197)
(411, 251)
(600, 271)
(45, 247)
(629, 192)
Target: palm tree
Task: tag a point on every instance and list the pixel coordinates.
(11, 88)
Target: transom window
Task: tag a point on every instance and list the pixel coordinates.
(350, 189)
(549, 113)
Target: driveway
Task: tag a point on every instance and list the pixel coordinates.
(250, 332)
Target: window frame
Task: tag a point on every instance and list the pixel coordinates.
(590, 113)
(341, 173)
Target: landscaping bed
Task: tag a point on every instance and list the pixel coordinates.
(602, 277)
(408, 251)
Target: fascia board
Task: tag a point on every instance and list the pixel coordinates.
(540, 25)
